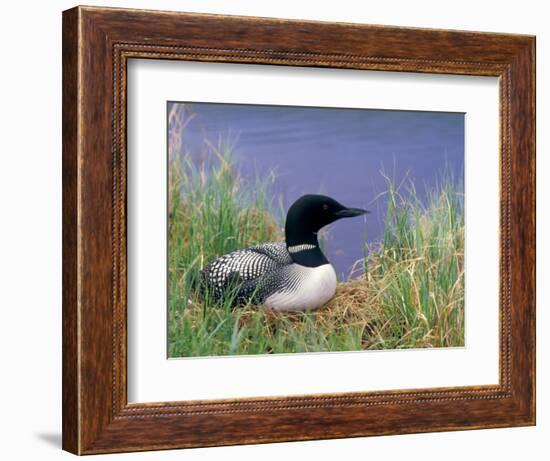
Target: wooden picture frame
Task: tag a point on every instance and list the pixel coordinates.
(97, 44)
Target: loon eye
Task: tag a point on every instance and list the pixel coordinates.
(325, 206)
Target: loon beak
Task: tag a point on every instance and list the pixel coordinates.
(350, 212)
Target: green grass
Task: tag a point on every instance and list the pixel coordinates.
(417, 273)
(410, 295)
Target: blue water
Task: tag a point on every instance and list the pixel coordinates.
(336, 152)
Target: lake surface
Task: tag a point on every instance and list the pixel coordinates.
(336, 152)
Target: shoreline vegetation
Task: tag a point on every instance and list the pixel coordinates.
(409, 292)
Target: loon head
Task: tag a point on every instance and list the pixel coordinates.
(305, 218)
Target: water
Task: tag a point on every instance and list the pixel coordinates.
(336, 152)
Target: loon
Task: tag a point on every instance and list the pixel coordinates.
(283, 276)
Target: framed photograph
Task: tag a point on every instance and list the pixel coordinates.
(282, 230)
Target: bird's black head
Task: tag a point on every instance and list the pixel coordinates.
(309, 214)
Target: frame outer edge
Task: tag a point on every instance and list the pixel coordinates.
(533, 69)
(70, 178)
(522, 190)
(530, 147)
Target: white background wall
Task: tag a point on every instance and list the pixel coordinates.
(30, 227)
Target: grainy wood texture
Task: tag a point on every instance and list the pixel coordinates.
(97, 43)
(70, 394)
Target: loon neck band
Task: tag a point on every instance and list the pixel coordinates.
(303, 247)
(307, 253)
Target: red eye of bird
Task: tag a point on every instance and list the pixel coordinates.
(325, 206)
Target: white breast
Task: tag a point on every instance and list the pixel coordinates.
(315, 286)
